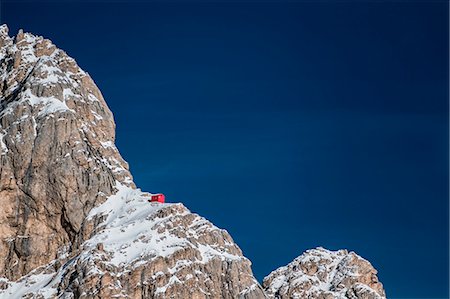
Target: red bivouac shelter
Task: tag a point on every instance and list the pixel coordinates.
(158, 198)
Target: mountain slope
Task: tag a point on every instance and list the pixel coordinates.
(143, 250)
(73, 224)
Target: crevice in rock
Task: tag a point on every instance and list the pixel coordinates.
(68, 228)
(13, 96)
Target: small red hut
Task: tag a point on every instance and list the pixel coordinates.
(158, 198)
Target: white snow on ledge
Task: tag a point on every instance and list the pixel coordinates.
(47, 105)
(36, 284)
(128, 222)
(130, 230)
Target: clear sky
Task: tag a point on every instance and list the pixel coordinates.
(292, 125)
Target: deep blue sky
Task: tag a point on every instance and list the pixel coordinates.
(291, 125)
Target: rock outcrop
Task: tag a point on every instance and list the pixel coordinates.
(323, 274)
(72, 223)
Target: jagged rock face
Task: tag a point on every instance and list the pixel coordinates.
(73, 224)
(146, 250)
(324, 274)
(58, 157)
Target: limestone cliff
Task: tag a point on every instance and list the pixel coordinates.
(58, 158)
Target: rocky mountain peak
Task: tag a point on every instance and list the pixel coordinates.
(321, 273)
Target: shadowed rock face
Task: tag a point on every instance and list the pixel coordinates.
(72, 223)
(323, 274)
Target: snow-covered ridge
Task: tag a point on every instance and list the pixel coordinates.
(133, 232)
(134, 228)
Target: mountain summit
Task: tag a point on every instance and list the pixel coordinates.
(324, 274)
(73, 223)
